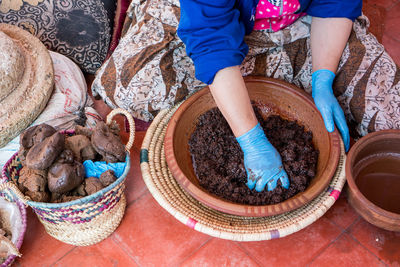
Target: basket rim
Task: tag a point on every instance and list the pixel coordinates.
(79, 201)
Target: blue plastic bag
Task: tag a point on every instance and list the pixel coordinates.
(95, 169)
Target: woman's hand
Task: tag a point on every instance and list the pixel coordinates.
(262, 161)
(328, 39)
(328, 105)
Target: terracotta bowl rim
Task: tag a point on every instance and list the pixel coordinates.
(231, 207)
(360, 144)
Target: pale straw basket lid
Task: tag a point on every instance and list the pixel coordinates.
(26, 80)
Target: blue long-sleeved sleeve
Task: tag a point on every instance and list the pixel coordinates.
(350, 9)
(213, 35)
(213, 31)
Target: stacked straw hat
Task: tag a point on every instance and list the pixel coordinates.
(26, 80)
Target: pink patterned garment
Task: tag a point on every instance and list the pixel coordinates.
(276, 14)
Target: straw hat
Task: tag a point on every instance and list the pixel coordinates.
(26, 80)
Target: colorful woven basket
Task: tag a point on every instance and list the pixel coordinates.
(22, 210)
(173, 198)
(84, 221)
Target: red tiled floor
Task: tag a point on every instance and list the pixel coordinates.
(384, 18)
(382, 3)
(39, 248)
(378, 13)
(384, 244)
(296, 249)
(392, 47)
(341, 213)
(135, 186)
(153, 237)
(218, 252)
(139, 136)
(346, 252)
(392, 22)
(105, 253)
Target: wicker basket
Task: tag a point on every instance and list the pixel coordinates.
(84, 221)
(186, 209)
(22, 213)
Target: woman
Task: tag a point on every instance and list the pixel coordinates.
(214, 37)
(273, 38)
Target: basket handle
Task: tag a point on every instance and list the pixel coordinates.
(12, 187)
(131, 124)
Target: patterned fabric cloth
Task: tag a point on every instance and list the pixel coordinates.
(78, 29)
(276, 15)
(149, 70)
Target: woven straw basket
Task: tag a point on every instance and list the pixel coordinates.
(174, 199)
(84, 221)
(22, 210)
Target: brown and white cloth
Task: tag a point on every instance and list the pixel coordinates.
(150, 71)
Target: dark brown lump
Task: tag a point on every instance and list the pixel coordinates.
(36, 134)
(107, 143)
(81, 146)
(33, 183)
(80, 130)
(43, 154)
(92, 185)
(107, 178)
(219, 164)
(63, 177)
(31, 136)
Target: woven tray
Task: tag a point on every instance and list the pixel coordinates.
(197, 216)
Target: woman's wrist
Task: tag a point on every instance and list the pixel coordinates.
(231, 96)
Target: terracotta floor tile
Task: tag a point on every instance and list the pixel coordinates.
(392, 22)
(39, 248)
(341, 213)
(384, 244)
(296, 249)
(377, 14)
(153, 237)
(219, 252)
(346, 252)
(105, 253)
(139, 136)
(392, 47)
(381, 3)
(135, 186)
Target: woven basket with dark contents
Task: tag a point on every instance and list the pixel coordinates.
(84, 221)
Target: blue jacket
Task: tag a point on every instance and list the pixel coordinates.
(213, 30)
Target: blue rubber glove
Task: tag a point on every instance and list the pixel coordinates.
(262, 161)
(328, 105)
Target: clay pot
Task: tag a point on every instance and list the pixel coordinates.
(373, 176)
(283, 99)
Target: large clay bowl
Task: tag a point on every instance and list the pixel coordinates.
(282, 98)
(374, 206)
